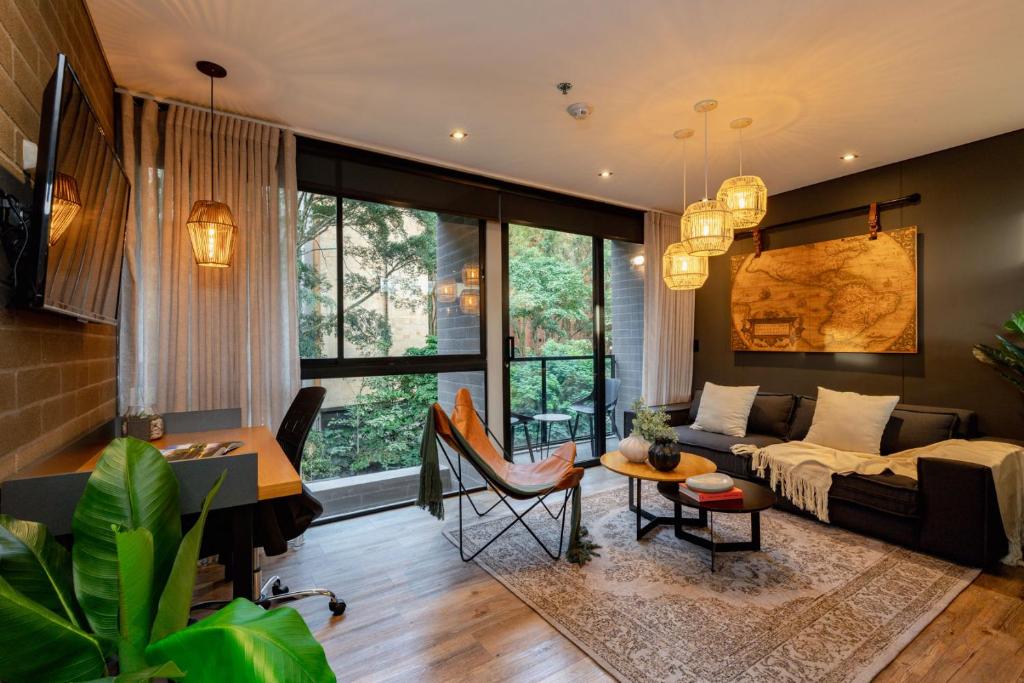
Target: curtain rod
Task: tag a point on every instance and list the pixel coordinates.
(189, 105)
(864, 208)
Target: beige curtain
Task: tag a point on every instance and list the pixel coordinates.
(668, 320)
(205, 338)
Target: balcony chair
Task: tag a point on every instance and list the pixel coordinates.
(464, 436)
(585, 406)
(280, 520)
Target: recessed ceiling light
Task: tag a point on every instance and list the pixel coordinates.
(849, 156)
(605, 174)
(458, 134)
(637, 260)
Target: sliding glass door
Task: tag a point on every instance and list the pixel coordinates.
(560, 357)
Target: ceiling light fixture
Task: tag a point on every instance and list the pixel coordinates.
(849, 156)
(605, 174)
(679, 270)
(458, 134)
(745, 195)
(211, 226)
(706, 227)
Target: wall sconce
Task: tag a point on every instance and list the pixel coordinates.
(64, 207)
(471, 275)
(469, 301)
(446, 291)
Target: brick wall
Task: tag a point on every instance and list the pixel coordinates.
(627, 308)
(58, 377)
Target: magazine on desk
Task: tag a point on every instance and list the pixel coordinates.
(198, 451)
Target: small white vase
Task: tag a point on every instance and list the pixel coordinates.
(634, 447)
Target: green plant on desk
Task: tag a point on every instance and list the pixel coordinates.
(124, 592)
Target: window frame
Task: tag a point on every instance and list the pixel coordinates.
(342, 367)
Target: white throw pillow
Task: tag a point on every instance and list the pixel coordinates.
(724, 410)
(850, 422)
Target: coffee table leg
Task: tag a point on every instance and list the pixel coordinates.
(755, 530)
(639, 522)
(711, 529)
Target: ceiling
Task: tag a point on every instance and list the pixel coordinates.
(886, 79)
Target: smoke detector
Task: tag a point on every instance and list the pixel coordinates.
(580, 110)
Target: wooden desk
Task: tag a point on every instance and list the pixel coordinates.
(275, 478)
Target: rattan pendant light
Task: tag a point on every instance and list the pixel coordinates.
(706, 228)
(745, 195)
(679, 269)
(211, 226)
(65, 205)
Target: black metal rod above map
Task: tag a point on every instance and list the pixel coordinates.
(842, 213)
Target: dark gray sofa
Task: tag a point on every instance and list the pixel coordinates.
(950, 511)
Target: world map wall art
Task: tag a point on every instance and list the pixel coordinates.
(853, 295)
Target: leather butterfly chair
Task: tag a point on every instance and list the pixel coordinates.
(467, 437)
(280, 520)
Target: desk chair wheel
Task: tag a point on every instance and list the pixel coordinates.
(337, 607)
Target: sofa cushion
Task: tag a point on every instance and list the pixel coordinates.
(725, 409)
(887, 492)
(770, 414)
(715, 447)
(910, 426)
(803, 415)
(916, 426)
(848, 421)
(721, 442)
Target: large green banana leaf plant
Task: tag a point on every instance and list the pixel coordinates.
(116, 607)
(1008, 357)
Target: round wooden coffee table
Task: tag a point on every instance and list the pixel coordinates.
(755, 499)
(689, 465)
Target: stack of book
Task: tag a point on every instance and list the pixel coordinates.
(732, 495)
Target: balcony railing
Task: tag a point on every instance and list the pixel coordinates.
(562, 381)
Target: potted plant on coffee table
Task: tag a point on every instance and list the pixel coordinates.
(650, 429)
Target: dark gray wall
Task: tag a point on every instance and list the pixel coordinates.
(971, 277)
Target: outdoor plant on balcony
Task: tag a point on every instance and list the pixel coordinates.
(118, 604)
(1008, 357)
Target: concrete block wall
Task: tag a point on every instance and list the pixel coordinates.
(458, 241)
(58, 377)
(627, 310)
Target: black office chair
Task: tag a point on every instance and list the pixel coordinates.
(284, 519)
(585, 406)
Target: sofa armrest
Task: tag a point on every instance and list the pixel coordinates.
(678, 414)
(959, 511)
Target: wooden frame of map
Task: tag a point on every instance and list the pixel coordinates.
(851, 295)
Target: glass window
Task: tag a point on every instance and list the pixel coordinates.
(317, 269)
(365, 450)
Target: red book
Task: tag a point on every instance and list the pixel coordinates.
(702, 497)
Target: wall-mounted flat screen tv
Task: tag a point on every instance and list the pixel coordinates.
(72, 256)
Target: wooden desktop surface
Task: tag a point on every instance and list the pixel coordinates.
(275, 475)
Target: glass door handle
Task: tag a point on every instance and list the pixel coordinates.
(510, 348)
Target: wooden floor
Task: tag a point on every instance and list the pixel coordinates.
(416, 612)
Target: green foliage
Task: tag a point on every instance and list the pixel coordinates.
(243, 643)
(1008, 357)
(131, 488)
(134, 492)
(651, 423)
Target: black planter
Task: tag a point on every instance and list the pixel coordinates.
(664, 455)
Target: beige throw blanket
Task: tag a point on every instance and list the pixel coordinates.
(802, 471)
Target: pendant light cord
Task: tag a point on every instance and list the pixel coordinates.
(741, 150)
(213, 196)
(684, 174)
(705, 155)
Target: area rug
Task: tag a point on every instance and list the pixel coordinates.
(817, 603)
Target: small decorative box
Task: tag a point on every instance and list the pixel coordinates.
(145, 427)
